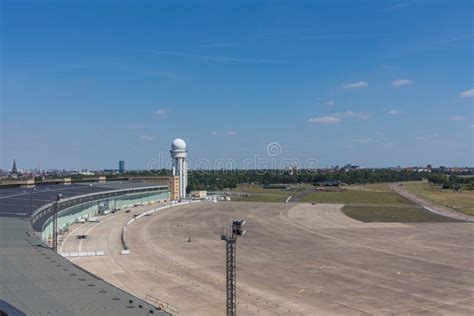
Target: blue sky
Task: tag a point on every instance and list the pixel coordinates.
(373, 83)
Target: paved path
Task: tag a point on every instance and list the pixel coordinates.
(430, 205)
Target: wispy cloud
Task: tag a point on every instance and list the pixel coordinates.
(402, 4)
(147, 137)
(330, 103)
(135, 127)
(417, 46)
(402, 82)
(394, 112)
(325, 120)
(330, 36)
(162, 113)
(458, 118)
(220, 45)
(355, 85)
(469, 93)
(148, 70)
(338, 117)
(364, 140)
(432, 136)
(211, 58)
(353, 115)
(231, 133)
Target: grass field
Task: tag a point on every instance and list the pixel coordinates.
(259, 189)
(378, 193)
(383, 213)
(366, 203)
(373, 187)
(357, 197)
(460, 201)
(261, 198)
(257, 193)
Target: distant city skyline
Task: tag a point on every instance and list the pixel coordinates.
(372, 83)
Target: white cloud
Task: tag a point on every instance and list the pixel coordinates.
(355, 85)
(429, 137)
(354, 115)
(325, 120)
(211, 58)
(467, 94)
(401, 5)
(394, 112)
(401, 82)
(162, 112)
(135, 126)
(146, 137)
(330, 103)
(458, 118)
(220, 45)
(335, 118)
(364, 140)
(231, 133)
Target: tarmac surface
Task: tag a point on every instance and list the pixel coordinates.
(296, 259)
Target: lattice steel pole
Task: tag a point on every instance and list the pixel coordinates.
(230, 237)
(231, 294)
(55, 228)
(55, 223)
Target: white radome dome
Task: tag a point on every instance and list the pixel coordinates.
(178, 144)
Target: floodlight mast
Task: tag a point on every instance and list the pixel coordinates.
(230, 237)
(55, 222)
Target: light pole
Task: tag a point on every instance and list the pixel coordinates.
(33, 189)
(55, 223)
(230, 237)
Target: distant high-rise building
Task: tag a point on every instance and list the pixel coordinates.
(122, 166)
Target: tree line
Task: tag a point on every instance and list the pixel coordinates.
(454, 182)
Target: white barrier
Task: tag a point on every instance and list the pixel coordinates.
(83, 253)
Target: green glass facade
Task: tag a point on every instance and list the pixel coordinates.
(94, 208)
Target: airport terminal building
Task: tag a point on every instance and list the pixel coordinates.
(35, 280)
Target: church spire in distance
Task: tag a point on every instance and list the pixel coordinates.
(14, 170)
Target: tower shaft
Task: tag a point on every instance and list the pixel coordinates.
(180, 167)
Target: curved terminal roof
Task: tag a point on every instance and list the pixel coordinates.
(34, 280)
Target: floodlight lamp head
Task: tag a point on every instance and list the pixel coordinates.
(237, 226)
